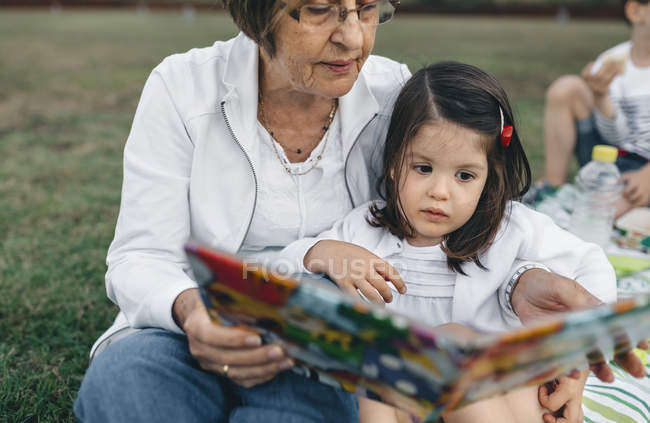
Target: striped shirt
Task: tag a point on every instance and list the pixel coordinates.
(630, 95)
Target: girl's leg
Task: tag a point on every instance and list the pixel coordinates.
(372, 411)
(517, 406)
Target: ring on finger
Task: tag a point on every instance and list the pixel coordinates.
(225, 369)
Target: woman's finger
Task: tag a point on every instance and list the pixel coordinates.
(631, 363)
(214, 359)
(572, 295)
(256, 356)
(206, 332)
(242, 373)
(602, 371)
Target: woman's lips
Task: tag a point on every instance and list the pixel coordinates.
(340, 66)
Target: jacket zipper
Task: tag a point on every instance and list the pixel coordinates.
(234, 137)
(347, 158)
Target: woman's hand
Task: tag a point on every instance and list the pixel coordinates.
(352, 267)
(540, 293)
(563, 398)
(234, 353)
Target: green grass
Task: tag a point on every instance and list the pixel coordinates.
(69, 85)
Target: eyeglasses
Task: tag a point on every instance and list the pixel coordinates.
(329, 16)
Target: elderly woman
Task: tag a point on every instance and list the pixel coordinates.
(248, 145)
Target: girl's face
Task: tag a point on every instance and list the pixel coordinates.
(444, 173)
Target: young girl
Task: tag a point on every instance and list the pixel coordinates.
(448, 234)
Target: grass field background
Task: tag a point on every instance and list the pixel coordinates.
(69, 85)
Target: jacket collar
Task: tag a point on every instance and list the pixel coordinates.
(356, 108)
(241, 83)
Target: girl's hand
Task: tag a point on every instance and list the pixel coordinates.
(233, 353)
(354, 268)
(563, 397)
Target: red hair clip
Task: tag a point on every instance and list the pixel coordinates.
(506, 131)
(506, 135)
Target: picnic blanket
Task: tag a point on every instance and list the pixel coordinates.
(626, 400)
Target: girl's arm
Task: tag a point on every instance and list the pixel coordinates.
(342, 253)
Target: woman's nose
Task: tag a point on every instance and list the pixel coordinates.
(349, 33)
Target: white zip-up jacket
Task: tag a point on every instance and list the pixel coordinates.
(189, 169)
(479, 296)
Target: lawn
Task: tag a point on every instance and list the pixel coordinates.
(69, 85)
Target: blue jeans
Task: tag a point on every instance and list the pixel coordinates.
(150, 376)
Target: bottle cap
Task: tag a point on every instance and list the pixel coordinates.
(604, 153)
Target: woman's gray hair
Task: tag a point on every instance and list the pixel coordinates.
(257, 19)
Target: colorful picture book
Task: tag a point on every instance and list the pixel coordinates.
(366, 349)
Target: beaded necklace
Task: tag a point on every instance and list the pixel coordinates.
(313, 160)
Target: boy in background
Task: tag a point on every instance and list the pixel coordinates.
(608, 104)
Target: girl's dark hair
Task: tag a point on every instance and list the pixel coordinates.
(469, 97)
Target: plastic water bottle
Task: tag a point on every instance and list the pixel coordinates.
(599, 190)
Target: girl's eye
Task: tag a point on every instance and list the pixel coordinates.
(464, 176)
(422, 168)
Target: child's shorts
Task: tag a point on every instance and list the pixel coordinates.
(588, 136)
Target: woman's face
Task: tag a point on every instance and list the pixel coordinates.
(319, 61)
